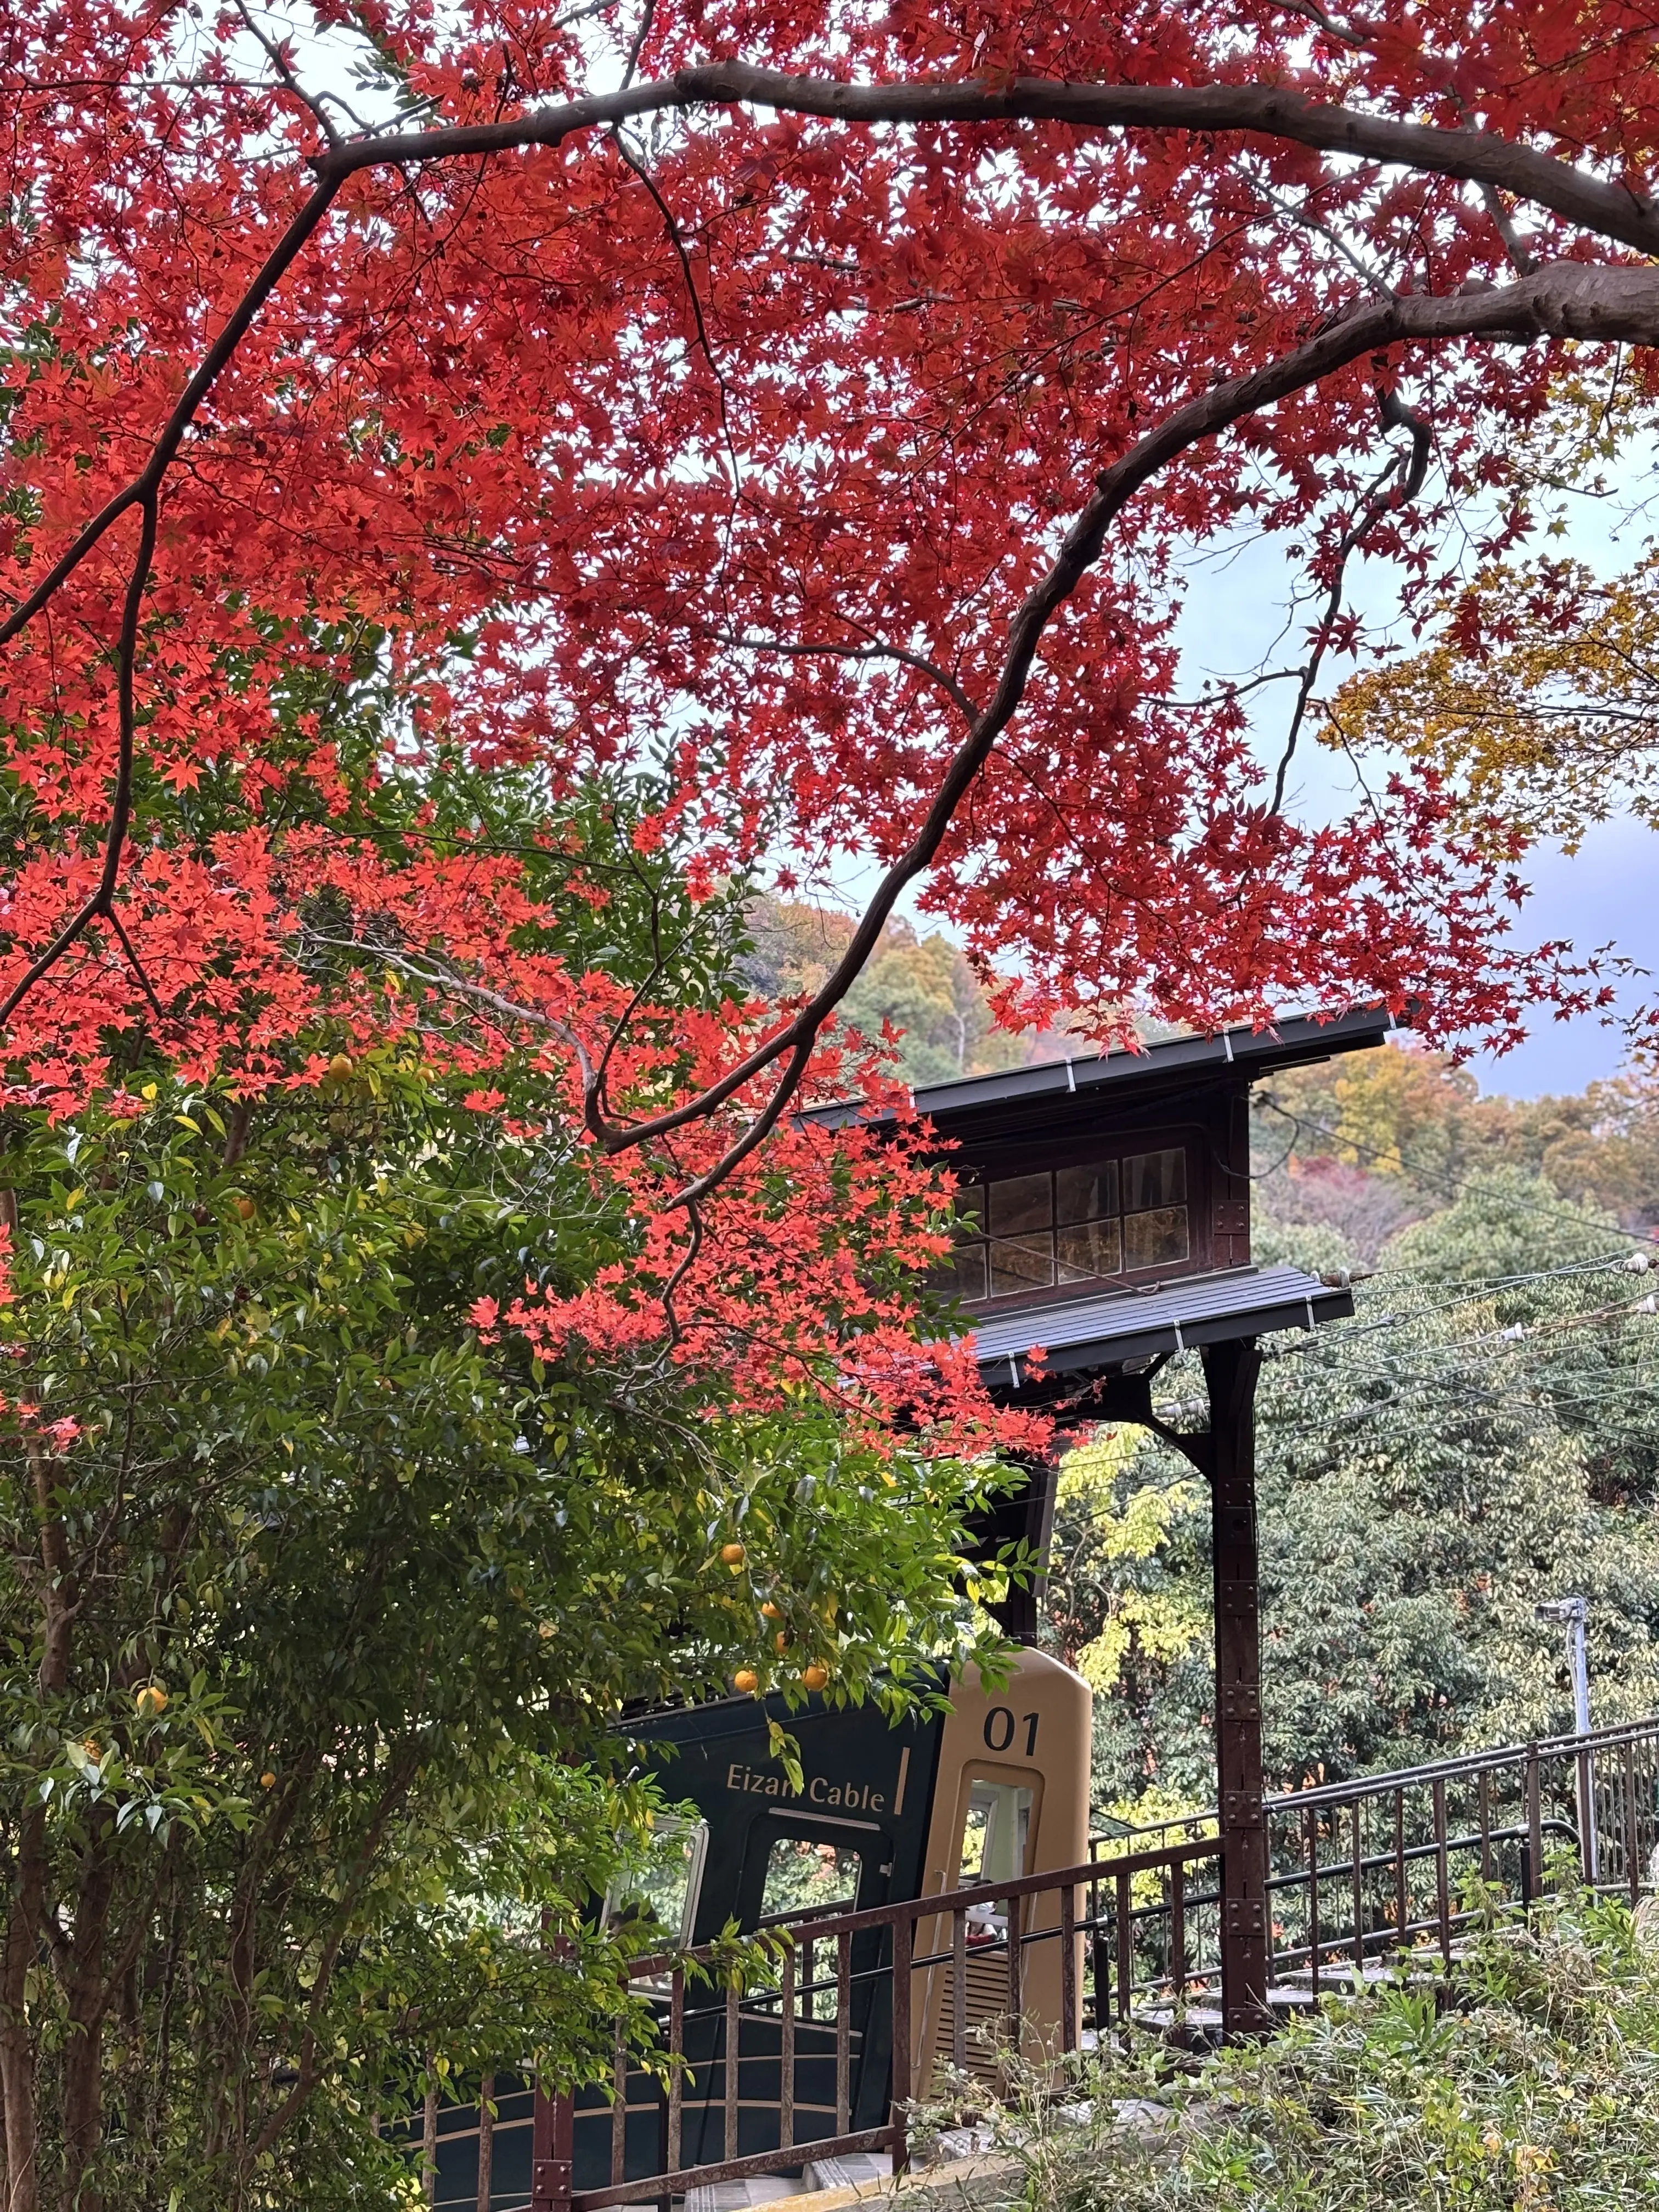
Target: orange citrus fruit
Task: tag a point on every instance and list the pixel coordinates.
(745, 1681)
(770, 1612)
(246, 1209)
(815, 1676)
(781, 1641)
(267, 1780)
(151, 1700)
(732, 1555)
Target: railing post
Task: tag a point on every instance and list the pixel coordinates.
(1231, 1371)
(1442, 1871)
(903, 1931)
(1125, 1952)
(959, 1990)
(733, 2059)
(787, 2051)
(1589, 1857)
(1535, 1826)
(676, 2066)
(1068, 2005)
(1632, 1853)
(553, 2130)
(1313, 1897)
(843, 2033)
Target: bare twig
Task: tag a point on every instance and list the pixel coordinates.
(648, 15)
(1303, 214)
(1524, 262)
(1405, 474)
(876, 650)
(279, 62)
(637, 165)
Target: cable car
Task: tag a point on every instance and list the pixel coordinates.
(995, 1788)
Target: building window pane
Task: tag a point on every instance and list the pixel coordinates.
(1085, 1194)
(658, 1901)
(1154, 1179)
(1092, 1250)
(960, 1276)
(1021, 1263)
(1156, 1239)
(1021, 1202)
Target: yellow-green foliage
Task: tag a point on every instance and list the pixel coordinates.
(1128, 1520)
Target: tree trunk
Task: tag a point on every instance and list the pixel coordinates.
(429, 2134)
(87, 2001)
(17, 2075)
(486, 2142)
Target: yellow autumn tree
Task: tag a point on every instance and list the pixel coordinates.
(1537, 695)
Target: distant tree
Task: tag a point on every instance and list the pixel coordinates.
(1368, 1143)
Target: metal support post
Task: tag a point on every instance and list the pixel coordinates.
(1231, 1371)
(551, 2151)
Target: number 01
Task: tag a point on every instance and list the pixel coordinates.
(999, 1729)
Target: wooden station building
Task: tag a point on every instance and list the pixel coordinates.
(1105, 1218)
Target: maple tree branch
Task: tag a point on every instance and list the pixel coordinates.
(877, 649)
(135, 963)
(148, 481)
(1312, 12)
(144, 493)
(1568, 299)
(279, 62)
(677, 242)
(1613, 210)
(647, 16)
(1524, 262)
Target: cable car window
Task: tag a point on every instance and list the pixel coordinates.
(805, 1874)
(996, 1834)
(661, 1898)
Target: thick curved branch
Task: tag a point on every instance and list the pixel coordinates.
(1257, 111)
(144, 493)
(148, 481)
(1575, 301)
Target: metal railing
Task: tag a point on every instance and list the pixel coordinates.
(1362, 1870)
(822, 2053)
(819, 2052)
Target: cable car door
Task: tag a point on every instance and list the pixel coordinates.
(798, 1867)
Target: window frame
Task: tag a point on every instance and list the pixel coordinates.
(669, 1824)
(1186, 1138)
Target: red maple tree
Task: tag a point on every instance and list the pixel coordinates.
(825, 404)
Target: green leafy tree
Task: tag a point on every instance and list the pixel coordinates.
(322, 1598)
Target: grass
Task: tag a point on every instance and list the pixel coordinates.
(1535, 2089)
